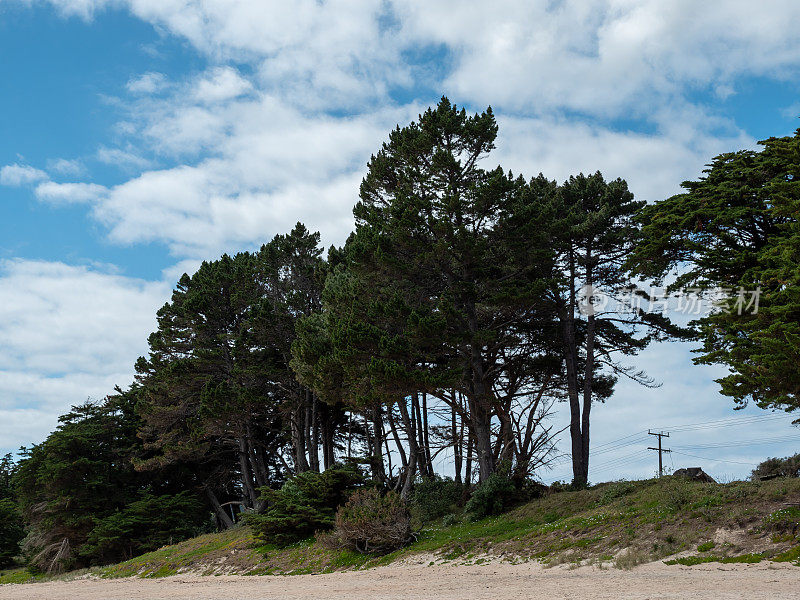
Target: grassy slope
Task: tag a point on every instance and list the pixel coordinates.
(622, 523)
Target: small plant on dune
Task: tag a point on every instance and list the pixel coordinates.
(373, 523)
(615, 490)
(785, 520)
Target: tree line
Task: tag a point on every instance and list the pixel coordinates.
(437, 339)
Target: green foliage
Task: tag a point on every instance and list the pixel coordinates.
(492, 497)
(373, 523)
(675, 493)
(784, 520)
(706, 546)
(81, 476)
(778, 467)
(617, 489)
(435, 497)
(306, 503)
(142, 526)
(737, 227)
(11, 531)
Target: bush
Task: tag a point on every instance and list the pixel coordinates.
(492, 497)
(435, 497)
(615, 490)
(777, 467)
(143, 525)
(305, 504)
(372, 523)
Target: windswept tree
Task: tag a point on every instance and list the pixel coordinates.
(430, 297)
(86, 504)
(734, 234)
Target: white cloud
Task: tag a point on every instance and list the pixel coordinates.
(65, 166)
(222, 83)
(18, 175)
(128, 160)
(69, 193)
(603, 57)
(66, 333)
(147, 83)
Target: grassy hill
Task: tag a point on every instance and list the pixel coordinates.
(619, 524)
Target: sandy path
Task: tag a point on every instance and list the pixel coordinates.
(497, 581)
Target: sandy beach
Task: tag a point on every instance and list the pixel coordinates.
(496, 581)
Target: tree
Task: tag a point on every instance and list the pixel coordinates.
(70, 485)
(205, 399)
(11, 524)
(429, 294)
(218, 390)
(734, 234)
(591, 228)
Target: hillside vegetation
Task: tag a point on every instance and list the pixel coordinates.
(619, 524)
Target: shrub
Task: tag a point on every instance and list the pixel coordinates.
(304, 504)
(615, 490)
(785, 520)
(778, 467)
(435, 497)
(141, 526)
(372, 523)
(492, 497)
(676, 493)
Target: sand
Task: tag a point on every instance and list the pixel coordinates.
(495, 581)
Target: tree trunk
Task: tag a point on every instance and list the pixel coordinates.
(457, 442)
(219, 510)
(298, 437)
(411, 436)
(420, 441)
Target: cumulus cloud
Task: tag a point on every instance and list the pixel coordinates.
(66, 333)
(17, 175)
(68, 193)
(236, 153)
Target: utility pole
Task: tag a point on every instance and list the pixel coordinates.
(660, 450)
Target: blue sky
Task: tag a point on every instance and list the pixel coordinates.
(139, 137)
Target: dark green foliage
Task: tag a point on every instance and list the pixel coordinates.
(737, 227)
(778, 467)
(306, 503)
(144, 525)
(373, 523)
(492, 497)
(435, 497)
(11, 531)
(615, 490)
(83, 474)
(11, 524)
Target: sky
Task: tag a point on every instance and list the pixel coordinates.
(140, 137)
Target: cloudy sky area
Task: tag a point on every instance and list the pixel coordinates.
(139, 137)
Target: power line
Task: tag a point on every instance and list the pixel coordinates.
(733, 462)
